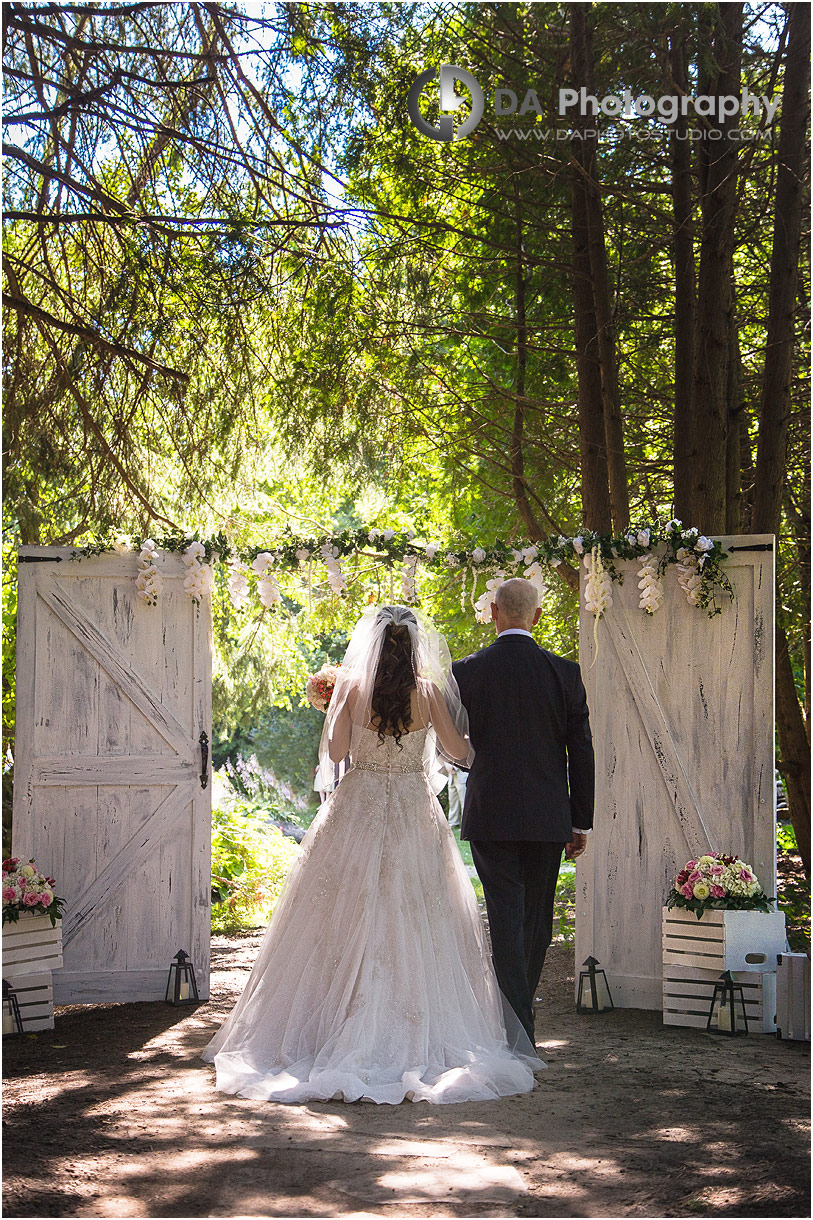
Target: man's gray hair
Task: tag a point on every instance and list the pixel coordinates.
(517, 599)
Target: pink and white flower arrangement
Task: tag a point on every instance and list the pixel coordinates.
(715, 882)
(319, 687)
(25, 888)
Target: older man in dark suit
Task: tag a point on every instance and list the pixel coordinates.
(530, 788)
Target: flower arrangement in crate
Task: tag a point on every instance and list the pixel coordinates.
(25, 888)
(716, 882)
(319, 687)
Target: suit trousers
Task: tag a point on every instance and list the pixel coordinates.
(519, 883)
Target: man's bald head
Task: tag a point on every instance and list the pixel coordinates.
(517, 602)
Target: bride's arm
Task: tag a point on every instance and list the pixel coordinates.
(339, 741)
(456, 747)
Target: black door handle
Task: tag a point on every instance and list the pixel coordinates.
(204, 760)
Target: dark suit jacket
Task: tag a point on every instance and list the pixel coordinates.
(533, 774)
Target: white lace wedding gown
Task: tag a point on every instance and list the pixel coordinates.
(374, 980)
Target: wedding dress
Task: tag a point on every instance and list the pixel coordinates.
(374, 981)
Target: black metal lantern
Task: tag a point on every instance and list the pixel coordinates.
(594, 990)
(12, 1018)
(181, 985)
(727, 1013)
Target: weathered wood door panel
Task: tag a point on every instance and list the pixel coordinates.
(112, 697)
(682, 709)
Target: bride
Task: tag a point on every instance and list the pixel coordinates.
(374, 981)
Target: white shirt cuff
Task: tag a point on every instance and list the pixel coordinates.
(576, 831)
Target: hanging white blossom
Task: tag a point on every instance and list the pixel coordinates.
(598, 588)
(262, 562)
(598, 591)
(199, 580)
(536, 576)
(148, 581)
(650, 584)
(687, 569)
(478, 555)
(408, 579)
(482, 607)
(199, 577)
(237, 583)
(335, 577)
(578, 544)
(268, 590)
(431, 549)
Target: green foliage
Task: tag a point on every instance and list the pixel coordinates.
(250, 861)
(564, 906)
(785, 836)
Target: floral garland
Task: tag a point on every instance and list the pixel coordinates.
(698, 562)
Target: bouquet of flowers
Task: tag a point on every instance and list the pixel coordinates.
(26, 889)
(319, 687)
(718, 883)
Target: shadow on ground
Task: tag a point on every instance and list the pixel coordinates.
(113, 1114)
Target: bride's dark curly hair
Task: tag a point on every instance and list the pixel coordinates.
(394, 682)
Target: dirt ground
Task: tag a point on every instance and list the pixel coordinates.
(113, 1114)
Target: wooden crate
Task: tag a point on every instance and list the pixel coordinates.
(688, 990)
(697, 951)
(35, 995)
(723, 940)
(32, 949)
(31, 946)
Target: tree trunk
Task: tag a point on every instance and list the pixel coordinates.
(581, 63)
(718, 156)
(736, 405)
(685, 292)
(794, 746)
(595, 479)
(517, 455)
(792, 155)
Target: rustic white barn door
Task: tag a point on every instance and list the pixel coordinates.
(682, 709)
(112, 793)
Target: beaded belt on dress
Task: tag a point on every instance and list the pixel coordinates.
(398, 767)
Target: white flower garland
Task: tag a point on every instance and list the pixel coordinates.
(696, 558)
(148, 581)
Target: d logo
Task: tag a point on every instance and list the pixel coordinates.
(449, 100)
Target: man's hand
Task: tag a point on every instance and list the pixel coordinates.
(576, 846)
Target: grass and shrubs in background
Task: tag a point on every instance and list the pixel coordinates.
(251, 855)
